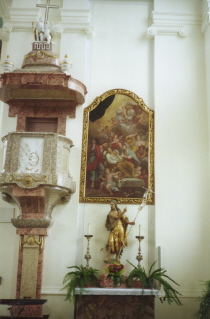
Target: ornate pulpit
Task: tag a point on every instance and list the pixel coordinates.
(35, 174)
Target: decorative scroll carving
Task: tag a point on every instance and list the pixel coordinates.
(41, 54)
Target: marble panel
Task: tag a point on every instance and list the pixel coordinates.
(31, 222)
(32, 231)
(28, 311)
(29, 272)
(31, 166)
(22, 192)
(19, 85)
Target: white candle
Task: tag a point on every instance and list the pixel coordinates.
(139, 230)
(88, 229)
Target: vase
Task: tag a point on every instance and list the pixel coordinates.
(137, 284)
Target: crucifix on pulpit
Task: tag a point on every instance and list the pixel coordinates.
(47, 6)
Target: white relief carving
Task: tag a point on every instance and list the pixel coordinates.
(166, 30)
(30, 157)
(39, 29)
(183, 32)
(41, 46)
(47, 34)
(42, 30)
(7, 27)
(58, 28)
(151, 33)
(89, 31)
(168, 23)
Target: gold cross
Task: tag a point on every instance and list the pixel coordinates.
(47, 6)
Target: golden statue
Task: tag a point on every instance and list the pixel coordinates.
(117, 224)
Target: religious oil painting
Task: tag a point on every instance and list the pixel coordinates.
(118, 149)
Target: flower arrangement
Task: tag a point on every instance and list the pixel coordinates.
(115, 273)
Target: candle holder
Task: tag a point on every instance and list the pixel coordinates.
(139, 256)
(87, 255)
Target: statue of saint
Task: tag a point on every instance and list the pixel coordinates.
(117, 224)
(39, 29)
(42, 30)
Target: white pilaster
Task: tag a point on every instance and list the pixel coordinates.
(206, 33)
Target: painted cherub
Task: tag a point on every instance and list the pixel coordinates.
(107, 181)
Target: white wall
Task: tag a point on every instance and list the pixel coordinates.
(168, 72)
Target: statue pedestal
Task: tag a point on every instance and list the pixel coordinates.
(115, 303)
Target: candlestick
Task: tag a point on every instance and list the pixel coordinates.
(139, 256)
(159, 257)
(87, 255)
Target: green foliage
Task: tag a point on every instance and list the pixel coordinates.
(153, 277)
(79, 278)
(204, 309)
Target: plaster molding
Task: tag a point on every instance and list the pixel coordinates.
(5, 31)
(51, 290)
(89, 31)
(2, 7)
(166, 30)
(167, 23)
(22, 18)
(171, 18)
(71, 20)
(205, 16)
(57, 30)
(76, 20)
(4, 4)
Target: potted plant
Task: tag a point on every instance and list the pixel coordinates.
(81, 277)
(151, 279)
(204, 309)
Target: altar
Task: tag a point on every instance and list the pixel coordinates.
(107, 303)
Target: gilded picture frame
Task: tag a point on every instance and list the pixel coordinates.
(117, 149)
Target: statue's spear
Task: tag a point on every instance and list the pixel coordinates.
(143, 203)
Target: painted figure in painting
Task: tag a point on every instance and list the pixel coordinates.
(117, 224)
(108, 182)
(95, 164)
(118, 149)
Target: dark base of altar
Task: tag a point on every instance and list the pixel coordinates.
(24, 308)
(18, 317)
(109, 306)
